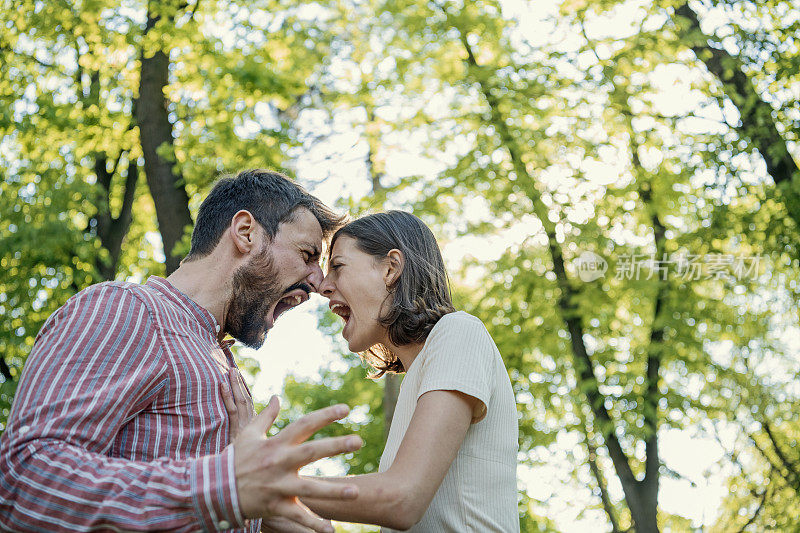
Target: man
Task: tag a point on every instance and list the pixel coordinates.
(119, 420)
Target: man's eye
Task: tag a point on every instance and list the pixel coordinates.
(306, 257)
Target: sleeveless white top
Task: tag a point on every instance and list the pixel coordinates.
(479, 491)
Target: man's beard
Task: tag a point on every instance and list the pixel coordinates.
(255, 290)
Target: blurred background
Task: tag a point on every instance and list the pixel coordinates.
(614, 185)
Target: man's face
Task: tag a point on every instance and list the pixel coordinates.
(278, 277)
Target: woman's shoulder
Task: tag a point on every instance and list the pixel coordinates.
(459, 327)
(458, 319)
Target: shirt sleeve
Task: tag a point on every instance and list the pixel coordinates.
(97, 362)
(460, 357)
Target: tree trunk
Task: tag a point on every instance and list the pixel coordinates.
(640, 496)
(155, 131)
(650, 483)
(112, 230)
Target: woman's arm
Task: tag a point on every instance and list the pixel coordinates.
(398, 497)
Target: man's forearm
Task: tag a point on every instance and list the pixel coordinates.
(97, 364)
(50, 485)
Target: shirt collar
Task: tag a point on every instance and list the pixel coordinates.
(199, 312)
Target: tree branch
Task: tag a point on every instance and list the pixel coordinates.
(754, 516)
(791, 466)
(50, 66)
(5, 370)
(790, 477)
(608, 506)
(657, 332)
(757, 122)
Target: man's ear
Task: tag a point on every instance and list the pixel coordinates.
(393, 266)
(243, 231)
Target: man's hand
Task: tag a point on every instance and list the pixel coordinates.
(240, 413)
(237, 402)
(267, 478)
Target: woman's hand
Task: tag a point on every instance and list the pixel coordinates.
(282, 525)
(237, 402)
(274, 462)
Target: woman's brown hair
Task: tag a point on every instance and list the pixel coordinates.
(420, 294)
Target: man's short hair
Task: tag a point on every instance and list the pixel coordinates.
(271, 197)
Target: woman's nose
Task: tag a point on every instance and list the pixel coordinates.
(327, 287)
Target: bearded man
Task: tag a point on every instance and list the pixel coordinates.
(119, 421)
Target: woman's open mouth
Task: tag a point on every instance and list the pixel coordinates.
(342, 310)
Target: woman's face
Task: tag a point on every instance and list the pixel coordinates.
(356, 287)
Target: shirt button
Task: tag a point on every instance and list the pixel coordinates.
(224, 524)
(24, 429)
(217, 328)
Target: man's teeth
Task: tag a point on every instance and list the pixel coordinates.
(337, 307)
(293, 300)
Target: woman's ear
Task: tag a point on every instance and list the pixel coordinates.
(393, 266)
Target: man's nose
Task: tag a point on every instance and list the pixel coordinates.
(315, 278)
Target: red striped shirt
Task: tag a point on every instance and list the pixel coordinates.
(118, 423)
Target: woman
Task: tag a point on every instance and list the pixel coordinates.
(450, 457)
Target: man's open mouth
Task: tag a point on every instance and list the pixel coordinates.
(292, 299)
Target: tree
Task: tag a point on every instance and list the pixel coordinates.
(556, 142)
(615, 334)
(757, 123)
(93, 94)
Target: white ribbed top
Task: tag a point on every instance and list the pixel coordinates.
(479, 491)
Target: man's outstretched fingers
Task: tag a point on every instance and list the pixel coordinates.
(302, 428)
(267, 416)
(308, 452)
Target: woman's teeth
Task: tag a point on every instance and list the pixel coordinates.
(341, 310)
